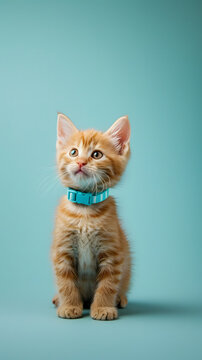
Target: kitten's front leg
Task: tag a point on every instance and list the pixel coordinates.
(69, 297)
(103, 306)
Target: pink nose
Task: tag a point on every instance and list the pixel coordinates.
(81, 163)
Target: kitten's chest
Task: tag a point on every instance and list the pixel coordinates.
(86, 246)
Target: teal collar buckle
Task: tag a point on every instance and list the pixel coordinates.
(79, 197)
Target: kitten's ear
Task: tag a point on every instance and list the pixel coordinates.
(119, 133)
(65, 128)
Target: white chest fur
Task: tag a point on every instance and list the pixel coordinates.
(86, 256)
(87, 263)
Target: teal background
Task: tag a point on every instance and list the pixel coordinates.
(96, 61)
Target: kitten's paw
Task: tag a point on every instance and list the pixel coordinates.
(104, 313)
(55, 300)
(122, 301)
(69, 311)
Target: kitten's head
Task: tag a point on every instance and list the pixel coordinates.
(91, 160)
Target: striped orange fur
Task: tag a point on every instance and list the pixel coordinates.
(90, 252)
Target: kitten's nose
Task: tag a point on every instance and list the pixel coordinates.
(81, 163)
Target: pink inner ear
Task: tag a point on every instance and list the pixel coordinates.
(124, 134)
(61, 131)
(65, 128)
(120, 132)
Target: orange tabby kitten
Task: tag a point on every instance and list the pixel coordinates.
(90, 252)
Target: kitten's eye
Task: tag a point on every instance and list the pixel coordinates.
(97, 154)
(73, 152)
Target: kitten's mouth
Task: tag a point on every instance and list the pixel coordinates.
(80, 172)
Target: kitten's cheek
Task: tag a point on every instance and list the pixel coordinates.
(68, 170)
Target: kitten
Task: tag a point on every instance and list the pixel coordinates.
(90, 252)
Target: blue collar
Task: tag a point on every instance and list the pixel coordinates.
(79, 197)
